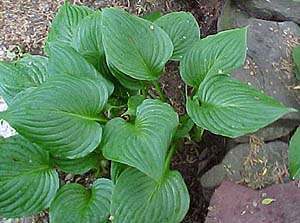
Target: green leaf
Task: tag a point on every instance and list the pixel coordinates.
(267, 201)
(220, 53)
(74, 203)
(115, 171)
(126, 81)
(142, 143)
(294, 155)
(15, 77)
(76, 166)
(87, 40)
(184, 128)
(225, 106)
(66, 60)
(182, 29)
(134, 46)
(133, 102)
(66, 21)
(138, 198)
(27, 181)
(61, 115)
(152, 16)
(296, 57)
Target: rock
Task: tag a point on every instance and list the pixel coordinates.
(235, 203)
(256, 165)
(276, 10)
(231, 17)
(279, 129)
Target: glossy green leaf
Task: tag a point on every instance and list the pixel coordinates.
(30, 71)
(126, 81)
(66, 21)
(138, 198)
(152, 16)
(115, 171)
(87, 40)
(225, 106)
(133, 102)
(220, 53)
(76, 204)
(27, 181)
(142, 143)
(294, 155)
(182, 29)
(134, 46)
(61, 115)
(66, 60)
(77, 166)
(296, 57)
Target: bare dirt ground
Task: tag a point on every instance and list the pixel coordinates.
(24, 25)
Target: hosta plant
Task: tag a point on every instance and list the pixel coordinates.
(92, 98)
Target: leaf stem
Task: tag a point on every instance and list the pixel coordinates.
(101, 120)
(169, 157)
(145, 90)
(159, 91)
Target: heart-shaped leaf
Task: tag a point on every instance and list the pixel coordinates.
(139, 198)
(74, 203)
(142, 143)
(30, 71)
(66, 60)
(61, 115)
(27, 181)
(220, 53)
(227, 107)
(182, 29)
(134, 46)
(87, 40)
(65, 22)
(76, 166)
(294, 155)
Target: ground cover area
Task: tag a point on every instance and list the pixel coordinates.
(273, 32)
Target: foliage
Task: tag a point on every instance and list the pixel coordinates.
(89, 99)
(293, 157)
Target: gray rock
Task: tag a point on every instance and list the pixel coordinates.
(231, 17)
(256, 165)
(276, 10)
(279, 129)
(235, 203)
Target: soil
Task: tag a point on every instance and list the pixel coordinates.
(23, 31)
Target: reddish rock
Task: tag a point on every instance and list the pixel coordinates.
(233, 203)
